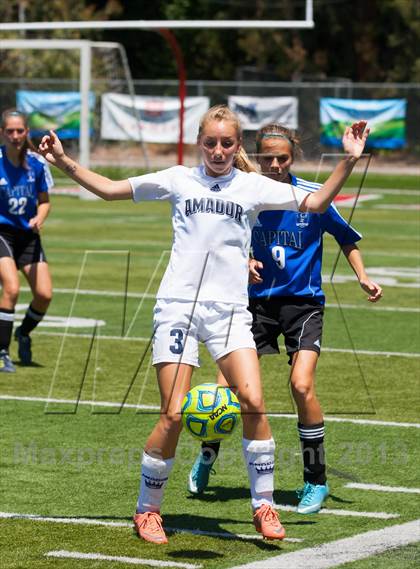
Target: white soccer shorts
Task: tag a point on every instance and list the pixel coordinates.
(180, 325)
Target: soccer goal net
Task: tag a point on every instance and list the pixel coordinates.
(60, 84)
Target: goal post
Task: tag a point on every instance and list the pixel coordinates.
(165, 27)
(85, 49)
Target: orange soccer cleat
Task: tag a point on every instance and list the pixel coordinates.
(148, 526)
(266, 521)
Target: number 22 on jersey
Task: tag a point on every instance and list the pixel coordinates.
(17, 205)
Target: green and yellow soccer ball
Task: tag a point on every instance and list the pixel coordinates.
(210, 412)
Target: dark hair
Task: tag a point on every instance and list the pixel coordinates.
(28, 145)
(276, 130)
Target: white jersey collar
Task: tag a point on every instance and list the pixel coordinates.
(200, 173)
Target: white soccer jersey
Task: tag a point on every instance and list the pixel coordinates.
(212, 219)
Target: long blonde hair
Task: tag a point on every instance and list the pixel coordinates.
(220, 113)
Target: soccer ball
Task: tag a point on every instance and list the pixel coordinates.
(210, 412)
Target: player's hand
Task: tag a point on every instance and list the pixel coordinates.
(373, 290)
(51, 148)
(35, 224)
(354, 138)
(254, 276)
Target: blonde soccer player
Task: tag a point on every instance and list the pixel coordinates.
(203, 294)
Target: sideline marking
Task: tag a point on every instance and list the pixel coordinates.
(342, 551)
(130, 560)
(348, 200)
(95, 522)
(379, 488)
(351, 513)
(156, 408)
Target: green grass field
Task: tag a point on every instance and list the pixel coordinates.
(80, 463)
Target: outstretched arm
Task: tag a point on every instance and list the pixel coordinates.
(354, 140)
(355, 260)
(52, 150)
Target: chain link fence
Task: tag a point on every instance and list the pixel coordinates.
(307, 93)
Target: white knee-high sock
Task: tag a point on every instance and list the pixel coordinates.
(154, 476)
(259, 459)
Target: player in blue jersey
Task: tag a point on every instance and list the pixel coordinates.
(286, 298)
(203, 294)
(24, 205)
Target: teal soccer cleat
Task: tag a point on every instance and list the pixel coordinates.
(199, 475)
(312, 497)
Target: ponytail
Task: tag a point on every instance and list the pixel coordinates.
(243, 162)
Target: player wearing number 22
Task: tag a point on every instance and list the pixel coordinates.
(25, 179)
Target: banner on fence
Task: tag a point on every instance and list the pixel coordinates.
(255, 112)
(59, 111)
(156, 118)
(386, 120)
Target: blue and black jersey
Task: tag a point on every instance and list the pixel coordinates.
(289, 244)
(20, 187)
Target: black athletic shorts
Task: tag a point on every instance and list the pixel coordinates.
(298, 319)
(23, 246)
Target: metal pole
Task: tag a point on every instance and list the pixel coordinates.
(84, 129)
(84, 134)
(132, 94)
(176, 50)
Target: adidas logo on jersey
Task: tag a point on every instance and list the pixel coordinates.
(216, 188)
(3, 182)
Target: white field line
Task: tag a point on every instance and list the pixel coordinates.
(140, 295)
(123, 559)
(95, 522)
(350, 513)
(373, 353)
(397, 207)
(347, 550)
(354, 421)
(80, 402)
(379, 488)
(144, 339)
(395, 192)
(93, 292)
(375, 253)
(156, 408)
(375, 307)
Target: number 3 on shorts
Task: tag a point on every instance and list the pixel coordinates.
(279, 256)
(177, 346)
